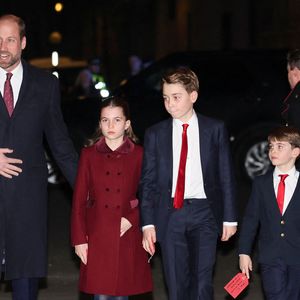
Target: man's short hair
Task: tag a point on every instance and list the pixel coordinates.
(293, 59)
(285, 134)
(18, 20)
(184, 76)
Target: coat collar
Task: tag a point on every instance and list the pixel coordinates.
(125, 148)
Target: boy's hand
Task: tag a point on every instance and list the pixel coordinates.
(7, 164)
(125, 225)
(82, 252)
(149, 240)
(228, 232)
(245, 264)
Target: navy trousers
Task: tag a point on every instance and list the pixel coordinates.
(281, 281)
(189, 251)
(25, 288)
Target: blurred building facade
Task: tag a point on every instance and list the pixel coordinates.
(115, 29)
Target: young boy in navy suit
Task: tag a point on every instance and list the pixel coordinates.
(274, 209)
(187, 189)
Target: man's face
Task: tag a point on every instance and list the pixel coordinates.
(11, 45)
(178, 102)
(293, 76)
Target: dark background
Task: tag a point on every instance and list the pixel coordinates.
(115, 29)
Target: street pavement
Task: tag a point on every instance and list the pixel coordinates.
(62, 280)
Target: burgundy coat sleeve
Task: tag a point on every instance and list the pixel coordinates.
(80, 197)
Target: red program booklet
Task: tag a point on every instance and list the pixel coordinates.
(237, 284)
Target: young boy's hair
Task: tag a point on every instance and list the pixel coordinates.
(293, 59)
(183, 75)
(285, 134)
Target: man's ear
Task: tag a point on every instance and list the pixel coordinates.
(23, 42)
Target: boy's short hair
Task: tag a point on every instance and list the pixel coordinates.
(184, 76)
(293, 59)
(285, 134)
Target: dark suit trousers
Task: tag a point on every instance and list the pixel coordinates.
(25, 288)
(280, 281)
(189, 251)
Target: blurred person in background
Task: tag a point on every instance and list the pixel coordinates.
(90, 82)
(291, 111)
(29, 111)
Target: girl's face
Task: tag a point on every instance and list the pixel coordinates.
(113, 124)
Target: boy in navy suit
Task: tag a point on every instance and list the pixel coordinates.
(274, 209)
(187, 190)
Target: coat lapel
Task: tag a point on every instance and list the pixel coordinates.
(167, 148)
(25, 89)
(204, 143)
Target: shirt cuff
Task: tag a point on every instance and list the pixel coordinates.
(230, 223)
(147, 226)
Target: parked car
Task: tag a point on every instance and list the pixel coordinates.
(243, 88)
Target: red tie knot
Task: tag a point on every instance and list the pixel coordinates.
(283, 177)
(8, 76)
(185, 126)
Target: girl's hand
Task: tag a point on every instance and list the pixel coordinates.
(82, 252)
(125, 225)
(245, 264)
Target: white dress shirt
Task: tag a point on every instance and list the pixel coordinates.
(15, 81)
(290, 184)
(194, 187)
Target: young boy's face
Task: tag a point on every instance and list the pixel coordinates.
(282, 154)
(178, 102)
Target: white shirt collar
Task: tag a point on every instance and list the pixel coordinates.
(17, 70)
(291, 172)
(192, 121)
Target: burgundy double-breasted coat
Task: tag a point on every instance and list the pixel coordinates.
(105, 190)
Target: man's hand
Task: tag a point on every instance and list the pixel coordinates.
(125, 225)
(228, 232)
(82, 251)
(245, 264)
(7, 164)
(149, 240)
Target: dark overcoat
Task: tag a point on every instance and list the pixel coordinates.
(105, 191)
(23, 199)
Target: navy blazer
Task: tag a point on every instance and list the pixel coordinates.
(278, 236)
(157, 172)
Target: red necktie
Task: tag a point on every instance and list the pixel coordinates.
(179, 193)
(8, 94)
(280, 192)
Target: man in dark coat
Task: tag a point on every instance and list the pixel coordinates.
(34, 114)
(291, 111)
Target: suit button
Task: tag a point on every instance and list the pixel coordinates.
(107, 173)
(107, 189)
(106, 206)
(282, 234)
(118, 206)
(118, 190)
(282, 222)
(119, 173)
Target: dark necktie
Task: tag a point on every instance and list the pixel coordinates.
(8, 94)
(179, 192)
(281, 190)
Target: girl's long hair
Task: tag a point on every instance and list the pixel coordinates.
(114, 101)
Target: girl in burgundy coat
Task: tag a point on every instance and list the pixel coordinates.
(105, 227)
